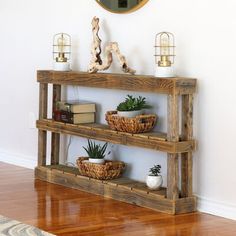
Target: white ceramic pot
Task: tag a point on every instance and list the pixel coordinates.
(61, 66)
(154, 182)
(165, 72)
(129, 114)
(96, 161)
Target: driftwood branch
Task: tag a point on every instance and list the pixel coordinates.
(96, 46)
(96, 63)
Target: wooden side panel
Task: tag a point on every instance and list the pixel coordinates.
(187, 134)
(55, 141)
(172, 159)
(42, 134)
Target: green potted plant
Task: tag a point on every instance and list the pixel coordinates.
(132, 106)
(154, 179)
(96, 152)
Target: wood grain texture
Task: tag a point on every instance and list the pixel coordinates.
(120, 81)
(42, 135)
(69, 212)
(103, 133)
(171, 143)
(172, 135)
(55, 141)
(187, 134)
(122, 189)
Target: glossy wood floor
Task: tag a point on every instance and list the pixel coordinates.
(68, 212)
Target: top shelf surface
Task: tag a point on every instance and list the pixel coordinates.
(142, 83)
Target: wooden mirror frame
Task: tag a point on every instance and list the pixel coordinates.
(141, 4)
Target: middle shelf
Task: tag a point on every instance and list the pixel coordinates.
(153, 140)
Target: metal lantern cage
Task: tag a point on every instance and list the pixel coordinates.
(61, 47)
(164, 49)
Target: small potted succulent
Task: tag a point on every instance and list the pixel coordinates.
(96, 152)
(132, 106)
(154, 179)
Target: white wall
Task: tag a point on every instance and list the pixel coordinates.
(205, 36)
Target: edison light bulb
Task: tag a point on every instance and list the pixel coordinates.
(61, 42)
(164, 51)
(164, 46)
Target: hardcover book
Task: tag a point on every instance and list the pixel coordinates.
(74, 118)
(76, 106)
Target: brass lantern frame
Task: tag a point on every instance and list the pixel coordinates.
(164, 60)
(65, 55)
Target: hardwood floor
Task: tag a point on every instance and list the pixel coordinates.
(68, 212)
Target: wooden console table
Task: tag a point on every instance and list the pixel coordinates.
(173, 200)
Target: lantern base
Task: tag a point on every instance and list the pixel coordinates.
(165, 72)
(61, 66)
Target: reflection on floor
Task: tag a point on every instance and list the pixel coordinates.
(68, 212)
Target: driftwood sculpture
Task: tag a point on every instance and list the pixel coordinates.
(96, 63)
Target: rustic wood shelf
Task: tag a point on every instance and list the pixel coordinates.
(122, 189)
(156, 141)
(178, 146)
(120, 81)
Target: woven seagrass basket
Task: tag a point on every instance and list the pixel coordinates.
(108, 170)
(138, 124)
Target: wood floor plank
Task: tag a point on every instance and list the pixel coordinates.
(68, 212)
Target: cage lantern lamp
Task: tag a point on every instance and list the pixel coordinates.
(164, 54)
(61, 52)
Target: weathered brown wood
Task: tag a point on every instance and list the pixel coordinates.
(42, 135)
(172, 176)
(187, 134)
(107, 135)
(122, 189)
(55, 142)
(183, 205)
(120, 81)
(119, 192)
(139, 198)
(173, 135)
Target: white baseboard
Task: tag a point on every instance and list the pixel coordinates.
(216, 208)
(18, 159)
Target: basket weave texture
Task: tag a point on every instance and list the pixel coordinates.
(108, 170)
(138, 124)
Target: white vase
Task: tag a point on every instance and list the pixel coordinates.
(129, 114)
(97, 161)
(154, 182)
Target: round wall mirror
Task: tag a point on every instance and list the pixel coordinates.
(121, 6)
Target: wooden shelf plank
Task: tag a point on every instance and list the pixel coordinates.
(122, 182)
(122, 189)
(104, 133)
(120, 81)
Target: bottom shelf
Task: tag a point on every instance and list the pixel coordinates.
(122, 189)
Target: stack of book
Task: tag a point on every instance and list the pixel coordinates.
(75, 112)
